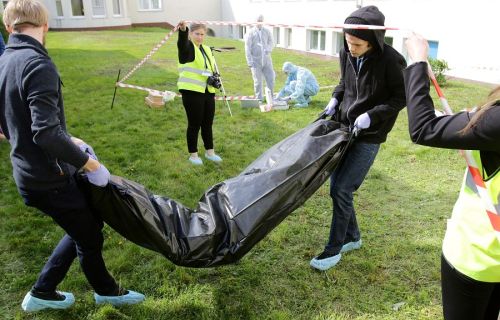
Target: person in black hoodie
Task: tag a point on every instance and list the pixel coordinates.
(45, 159)
(367, 99)
(470, 260)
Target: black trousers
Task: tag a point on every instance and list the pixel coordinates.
(68, 207)
(200, 111)
(467, 299)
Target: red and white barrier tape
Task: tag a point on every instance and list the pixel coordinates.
(336, 26)
(155, 49)
(491, 211)
(149, 55)
(162, 93)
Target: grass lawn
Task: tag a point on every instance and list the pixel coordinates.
(402, 206)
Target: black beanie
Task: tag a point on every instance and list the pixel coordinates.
(366, 35)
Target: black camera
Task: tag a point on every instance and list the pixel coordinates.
(214, 81)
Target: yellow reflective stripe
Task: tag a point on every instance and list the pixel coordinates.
(194, 70)
(193, 81)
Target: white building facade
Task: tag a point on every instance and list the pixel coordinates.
(463, 33)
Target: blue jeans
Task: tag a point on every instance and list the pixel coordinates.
(68, 207)
(346, 179)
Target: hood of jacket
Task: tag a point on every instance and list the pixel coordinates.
(369, 15)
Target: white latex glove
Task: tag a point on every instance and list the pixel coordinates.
(330, 107)
(99, 177)
(361, 122)
(88, 150)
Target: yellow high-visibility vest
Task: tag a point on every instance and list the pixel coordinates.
(193, 75)
(471, 244)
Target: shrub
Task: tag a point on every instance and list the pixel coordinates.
(439, 67)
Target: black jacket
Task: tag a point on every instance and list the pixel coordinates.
(444, 132)
(377, 89)
(32, 117)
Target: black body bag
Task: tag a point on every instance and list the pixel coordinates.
(232, 216)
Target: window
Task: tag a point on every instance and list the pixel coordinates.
(117, 8)
(4, 3)
(317, 40)
(98, 9)
(149, 4)
(59, 9)
(77, 8)
(242, 32)
(288, 37)
(338, 42)
(231, 31)
(276, 35)
(433, 49)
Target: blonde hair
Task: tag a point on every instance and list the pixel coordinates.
(196, 26)
(19, 13)
(492, 101)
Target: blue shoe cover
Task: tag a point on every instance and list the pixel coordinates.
(325, 264)
(353, 245)
(196, 161)
(131, 297)
(301, 105)
(214, 158)
(32, 304)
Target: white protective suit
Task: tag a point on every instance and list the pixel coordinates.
(300, 85)
(258, 47)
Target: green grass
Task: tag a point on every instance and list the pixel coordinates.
(402, 205)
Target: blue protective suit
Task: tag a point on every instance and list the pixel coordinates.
(258, 47)
(300, 85)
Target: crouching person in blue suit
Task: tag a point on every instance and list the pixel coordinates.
(300, 85)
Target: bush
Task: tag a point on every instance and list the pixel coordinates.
(439, 67)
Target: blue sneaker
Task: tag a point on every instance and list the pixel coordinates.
(353, 245)
(196, 161)
(214, 157)
(131, 297)
(325, 263)
(32, 304)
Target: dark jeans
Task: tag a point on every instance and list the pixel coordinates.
(200, 111)
(346, 179)
(69, 209)
(467, 299)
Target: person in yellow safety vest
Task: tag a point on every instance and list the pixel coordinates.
(470, 262)
(197, 83)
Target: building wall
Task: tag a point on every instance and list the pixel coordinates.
(89, 19)
(464, 30)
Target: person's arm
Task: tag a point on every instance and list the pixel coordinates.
(338, 91)
(444, 131)
(248, 48)
(300, 84)
(41, 85)
(185, 47)
(395, 85)
(269, 45)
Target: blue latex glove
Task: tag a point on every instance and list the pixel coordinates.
(87, 149)
(99, 177)
(330, 107)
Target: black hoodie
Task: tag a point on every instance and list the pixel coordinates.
(378, 87)
(32, 117)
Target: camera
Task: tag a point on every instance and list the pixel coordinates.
(214, 81)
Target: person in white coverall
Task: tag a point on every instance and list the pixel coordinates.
(258, 47)
(300, 85)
